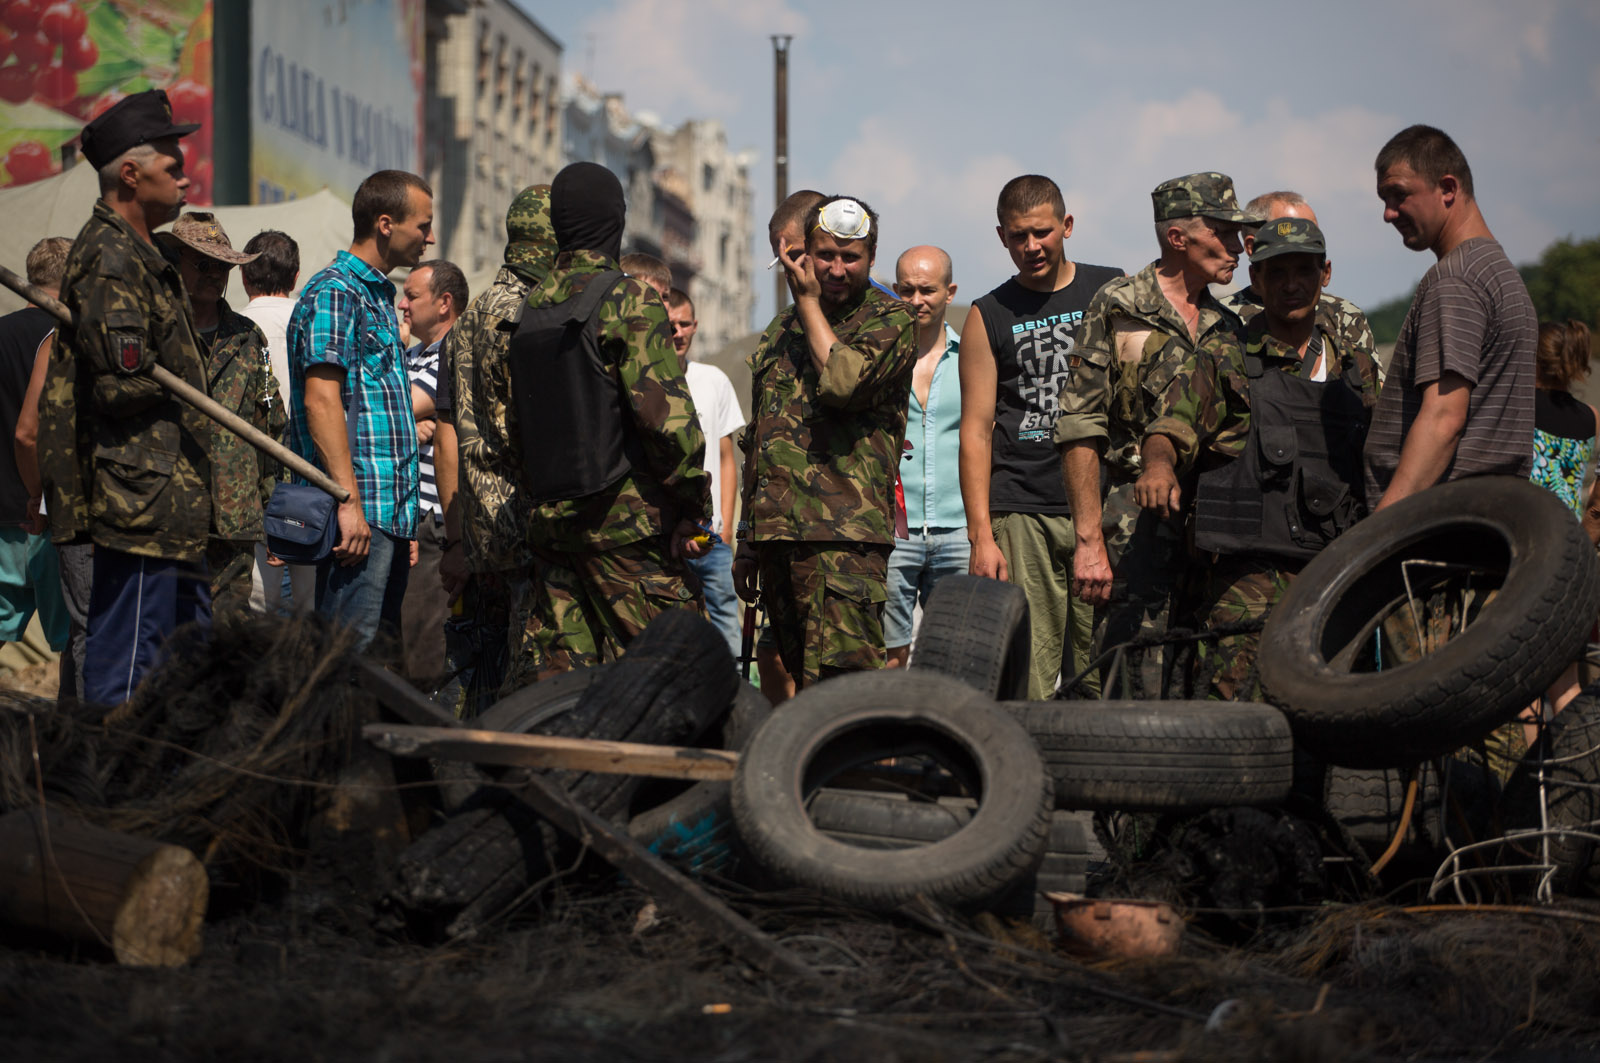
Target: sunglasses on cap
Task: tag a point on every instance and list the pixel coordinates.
(844, 219)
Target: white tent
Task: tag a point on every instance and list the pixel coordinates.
(58, 206)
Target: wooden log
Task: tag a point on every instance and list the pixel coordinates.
(553, 751)
(144, 899)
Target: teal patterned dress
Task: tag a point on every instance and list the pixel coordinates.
(1563, 445)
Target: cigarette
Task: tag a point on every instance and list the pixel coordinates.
(774, 261)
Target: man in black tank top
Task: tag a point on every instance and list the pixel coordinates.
(1017, 358)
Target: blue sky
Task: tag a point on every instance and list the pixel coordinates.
(926, 109)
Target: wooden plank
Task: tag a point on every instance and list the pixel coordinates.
(400, 697)
(671, 888)
(552, 751)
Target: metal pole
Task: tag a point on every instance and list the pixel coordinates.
(780, 154)
(194, 397)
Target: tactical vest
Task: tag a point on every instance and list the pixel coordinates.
(571, 416)
(1298, 483)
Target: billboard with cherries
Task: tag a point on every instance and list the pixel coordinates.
(64, 61)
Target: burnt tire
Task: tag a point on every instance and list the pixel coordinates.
(1161, 756)
(1571, 750)
(879, 821)
(858, 719)
(695, 827)
(976, 630)
(1315, 664)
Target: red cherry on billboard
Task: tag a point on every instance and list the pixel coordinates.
(191, 102)
(23, 15)
(29, 160)
(200, 183)
(103, 104)
(56, 86)
(63, 22)
(16, 83)
(6, 37)
(33, 49)
(79, 53)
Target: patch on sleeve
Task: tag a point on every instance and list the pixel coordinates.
(128, 348)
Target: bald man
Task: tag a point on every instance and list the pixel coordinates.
(935, 519)
(1339, 318)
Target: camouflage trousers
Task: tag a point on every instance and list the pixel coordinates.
(580, 610)
(1234, 590)
(1147, 557)
(824, 602)
(231, 563)
(477, 641)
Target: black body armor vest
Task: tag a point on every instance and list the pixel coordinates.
(571, 418)
(1298, 483)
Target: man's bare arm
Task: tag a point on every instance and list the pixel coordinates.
(1430, 445)
(727, 486)
(1157, 486)
(979, 384)
(25, 440)
(1091, 567)
(325, 418)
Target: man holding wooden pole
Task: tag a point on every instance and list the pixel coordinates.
(124, 463)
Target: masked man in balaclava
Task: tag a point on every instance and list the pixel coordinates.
(611, 450)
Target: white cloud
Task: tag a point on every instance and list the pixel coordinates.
(1493, 36)
(675, 55)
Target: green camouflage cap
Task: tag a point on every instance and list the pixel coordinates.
(1288, 236)
(1207, 194)
(530, 238)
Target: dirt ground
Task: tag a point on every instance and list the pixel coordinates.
(578, 981)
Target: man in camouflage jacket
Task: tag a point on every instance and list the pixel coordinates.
(240, 378)
(1133, 337)
(1336, 317)
(490, 519)
(607, 563)
(830, 384)
(1204, 423)
(125, 464)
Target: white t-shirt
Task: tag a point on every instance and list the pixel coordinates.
(271, 315)
(718, 410)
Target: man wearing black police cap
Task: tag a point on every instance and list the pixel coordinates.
(125, 464)
(1273, 417)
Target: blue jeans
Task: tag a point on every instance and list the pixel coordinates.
(716, 583)
(368, 595)
(915, 565)
(135, 603)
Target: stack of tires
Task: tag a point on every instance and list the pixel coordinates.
(1008, 769)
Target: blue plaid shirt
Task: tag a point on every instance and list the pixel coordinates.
(345, 317)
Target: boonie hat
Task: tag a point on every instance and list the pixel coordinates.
(1208, 194)
(1288, 236)
(131, 121)
(199, 229)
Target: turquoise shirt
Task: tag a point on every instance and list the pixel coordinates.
(929, 469)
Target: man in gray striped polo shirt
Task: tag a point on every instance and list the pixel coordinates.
(1458, 401)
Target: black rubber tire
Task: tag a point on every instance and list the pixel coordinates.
(886, 821)
(1367, 802)
(1518, 644)
(517, 713)
(1161, 756)
(976, 630)
(856, 719)
(1572, 787)
(880, 821)
(695, 828)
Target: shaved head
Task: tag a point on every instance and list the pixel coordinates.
(1282, 205)
(930, 257)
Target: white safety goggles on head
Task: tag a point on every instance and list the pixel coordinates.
(845, 219)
